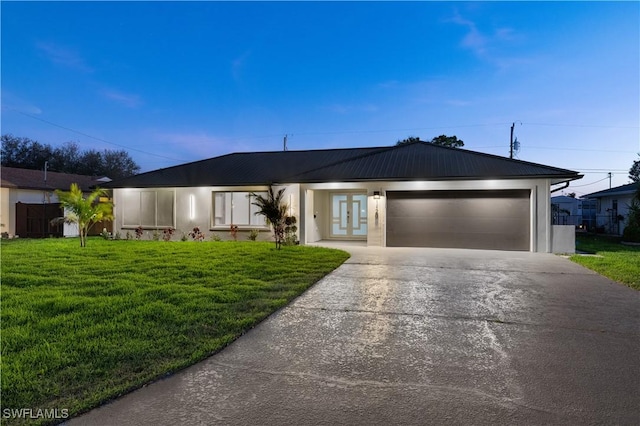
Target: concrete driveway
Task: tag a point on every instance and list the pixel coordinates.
(420, 336)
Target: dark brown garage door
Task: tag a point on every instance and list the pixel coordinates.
(459, 219)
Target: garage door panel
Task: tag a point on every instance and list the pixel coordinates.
(459, 219)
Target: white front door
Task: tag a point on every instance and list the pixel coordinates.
(349, 215)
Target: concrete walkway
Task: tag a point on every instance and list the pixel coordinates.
(420, 336)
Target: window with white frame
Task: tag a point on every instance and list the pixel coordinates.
(148, 208)
(236, 208)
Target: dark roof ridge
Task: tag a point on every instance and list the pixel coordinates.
(248, 153)
(345, 160)
(484, 154)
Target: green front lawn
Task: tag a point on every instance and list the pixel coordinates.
(82, 326)
(613, 260)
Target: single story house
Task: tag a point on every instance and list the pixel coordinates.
(414, 195)
(580, 213)
(612, 207)
(28, 201)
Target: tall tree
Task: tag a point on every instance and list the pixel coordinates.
(68, 158)
(118, 164)
(449, 141)
(634, 171)
(442, 140)
(274, 210)
(409, 139)
(84, 212)
(24, 153)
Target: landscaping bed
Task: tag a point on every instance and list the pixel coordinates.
(617, 261)
(81, 326)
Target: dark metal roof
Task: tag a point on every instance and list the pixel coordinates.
(12, 177)
(629, 188)
(413, 161)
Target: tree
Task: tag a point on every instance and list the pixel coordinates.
(274, 210)
(634, 171)
(632, 230)
(442, 140)
(68, 158)
(449, 141)
(410, 139)
(24, 153)
(118, 164)
(84, 212)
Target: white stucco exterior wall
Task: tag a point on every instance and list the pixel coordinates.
(310, 203)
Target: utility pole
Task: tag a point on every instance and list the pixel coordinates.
(610, 180)
(285, 143)
(511, 141)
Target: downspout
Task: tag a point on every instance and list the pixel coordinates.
(566, 185)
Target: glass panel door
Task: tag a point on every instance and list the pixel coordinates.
(348, 215)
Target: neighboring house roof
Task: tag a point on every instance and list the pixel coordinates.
(412, 161)
(12, 177)
(629, 188)
(563, 199)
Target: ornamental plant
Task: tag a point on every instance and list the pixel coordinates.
(83, 211)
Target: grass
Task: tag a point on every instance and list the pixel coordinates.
(83, 326)
(614, 260)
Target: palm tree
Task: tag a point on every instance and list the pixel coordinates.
(84, 212)
(274, 211)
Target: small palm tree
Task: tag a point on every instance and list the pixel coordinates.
(84, 212)
(274, 211)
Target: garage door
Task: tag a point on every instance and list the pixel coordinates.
(459, 219)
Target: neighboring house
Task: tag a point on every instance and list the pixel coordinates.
(612, 207)
(28, 202)
(573, 211)
(415, 194)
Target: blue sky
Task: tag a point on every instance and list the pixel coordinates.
(175, 82)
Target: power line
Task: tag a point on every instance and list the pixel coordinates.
(93, 137)
(583, 125)
(588, 184)
(579, 149)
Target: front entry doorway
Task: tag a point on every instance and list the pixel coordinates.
(349, 215)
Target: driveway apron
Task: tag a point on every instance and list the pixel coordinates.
(419, 336)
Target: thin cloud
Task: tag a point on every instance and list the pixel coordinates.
(238, 65)
(197, 144)
(12, 102)
(129, 100)
(458, 102)
(63, 56)
(483, 44)
(350, 109)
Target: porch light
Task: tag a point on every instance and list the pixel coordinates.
(376, 195)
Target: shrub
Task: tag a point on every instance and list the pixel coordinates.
(139, 231)
(215, 237)
(631, 234)
(234, 232)
(253, 234)
(196, 234)
(105, 234)
(167, 233)
(290, 229)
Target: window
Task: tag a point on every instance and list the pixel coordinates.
(236, 208)
(148, 208)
